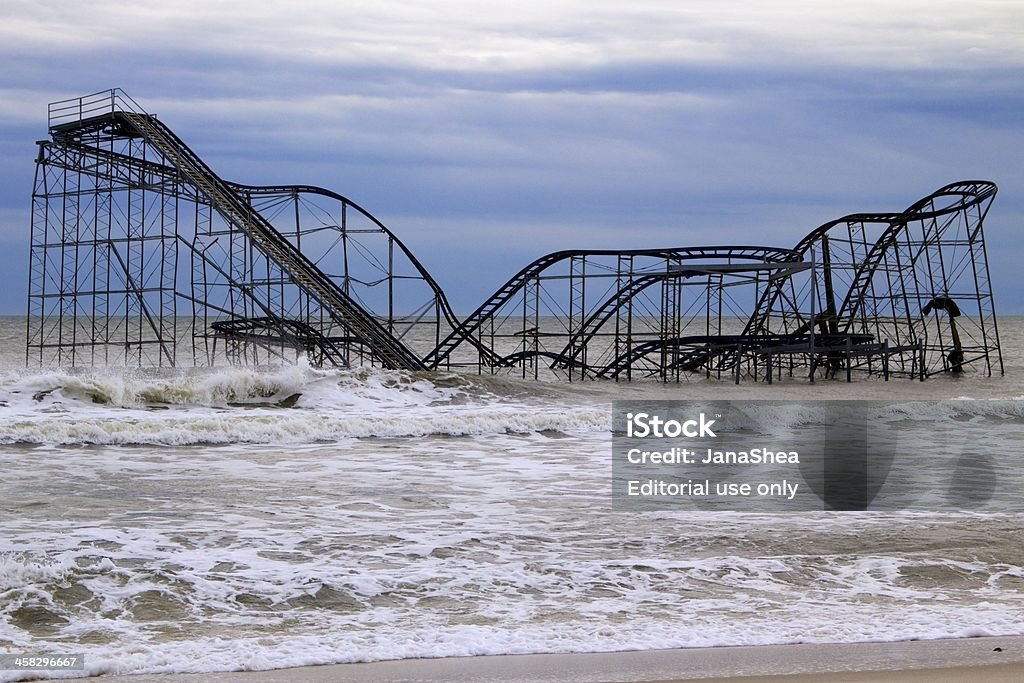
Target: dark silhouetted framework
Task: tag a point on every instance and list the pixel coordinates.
(141, 255)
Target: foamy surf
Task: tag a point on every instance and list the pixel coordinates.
(256, 598)
(300, 405)
(216, 387)
(291, 405)
(262, 518)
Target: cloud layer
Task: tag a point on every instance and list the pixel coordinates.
(488, 133)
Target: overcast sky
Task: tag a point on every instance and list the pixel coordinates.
(485, 134)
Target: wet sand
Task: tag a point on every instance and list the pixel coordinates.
(980, 660)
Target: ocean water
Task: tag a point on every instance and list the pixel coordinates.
(239, 519)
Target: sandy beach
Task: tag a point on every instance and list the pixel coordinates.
(990, 659)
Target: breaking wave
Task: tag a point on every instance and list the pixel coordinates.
(296, 404)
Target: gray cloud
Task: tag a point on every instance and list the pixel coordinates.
(503, 132)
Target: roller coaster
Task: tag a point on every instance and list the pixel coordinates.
(141, 255)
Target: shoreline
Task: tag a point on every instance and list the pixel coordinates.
(980, 659)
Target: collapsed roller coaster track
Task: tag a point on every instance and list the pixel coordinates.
(142, 255)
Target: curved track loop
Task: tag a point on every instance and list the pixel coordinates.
(634, 286)
(293, 190)
(535, 270)
(876, 272)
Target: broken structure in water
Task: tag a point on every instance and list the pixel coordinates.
(142, 255)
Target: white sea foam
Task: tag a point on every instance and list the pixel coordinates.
(299, 404)
(192, 521)
(396, 602)
(288, 406)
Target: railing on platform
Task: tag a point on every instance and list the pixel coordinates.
(88, 106)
